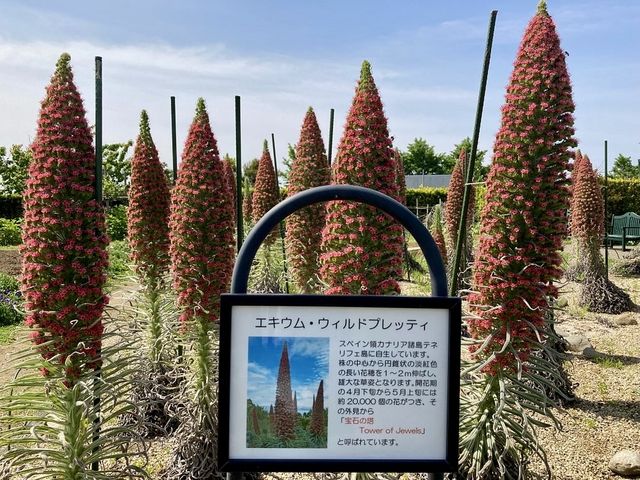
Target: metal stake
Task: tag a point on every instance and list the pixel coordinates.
(330, 136)
(462, 226)
(174, 147)
(284, 251)
(95, 466)
(239, 225)
(606, 205)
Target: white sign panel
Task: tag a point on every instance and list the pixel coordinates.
(339, 383)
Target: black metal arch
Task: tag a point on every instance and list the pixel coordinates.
(340, 192)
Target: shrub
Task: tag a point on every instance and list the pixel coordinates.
(363, 246)
(10, 300)
(117, 222)
(623, 195)
(10, 232)
(425, 196)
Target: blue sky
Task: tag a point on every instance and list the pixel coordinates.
(282, 57)
(308, 364)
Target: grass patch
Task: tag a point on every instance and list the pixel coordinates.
(608, 362)
(8, 333)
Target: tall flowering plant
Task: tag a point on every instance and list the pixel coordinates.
(265, 193)
(201, 225)
(453, 206)
(362, 247)
(518, 259)
(598, 293)
(64, 240)
(202, 253)
(231, 179)
(304, 228)
(148, 213)
(55, 428)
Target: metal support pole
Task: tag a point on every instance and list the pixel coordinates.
(239, 225)
(606, 209)
(95, 466)
(330, 136)
(174, 147)
(284, 250)
(98, 126)
(462, 226)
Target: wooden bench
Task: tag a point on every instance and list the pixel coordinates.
(624, 228)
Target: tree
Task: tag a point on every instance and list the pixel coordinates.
(304, 227)
(421, 158)
(64, 239)
(265, 194)
(251, 170)
(598, 293)
(287, 162)
(479, 170)
(116, 169)
(623, 168)
(285, 417)
(518, 260)
(13, 169)
(362, 246)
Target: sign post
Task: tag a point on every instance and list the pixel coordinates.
(339, 383)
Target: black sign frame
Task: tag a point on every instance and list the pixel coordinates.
(448, 464)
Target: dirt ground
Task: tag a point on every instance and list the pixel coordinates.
(10, 261)
(603, 419)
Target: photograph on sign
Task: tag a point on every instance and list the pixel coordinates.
(285, 392)
(338, 383)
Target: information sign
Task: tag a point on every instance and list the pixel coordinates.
(339, 383)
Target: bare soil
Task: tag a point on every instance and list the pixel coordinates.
(10, 261)
(604, 418)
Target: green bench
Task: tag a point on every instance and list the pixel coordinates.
(624, 228)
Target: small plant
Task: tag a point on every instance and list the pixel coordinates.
(11, 307)
(603, 388)
(608, 362)
(591, 423)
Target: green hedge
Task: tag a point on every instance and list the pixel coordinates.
(117, 222)
(623, 196)
(10, 232)
(425, 196)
